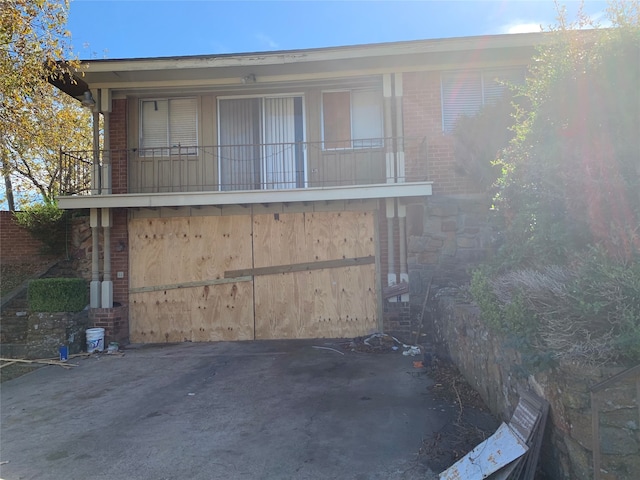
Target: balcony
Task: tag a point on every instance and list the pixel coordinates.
(251, 168)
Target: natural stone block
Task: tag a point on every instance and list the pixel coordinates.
(449, 226)
(428, 258)
(623, 418)
(466, 242)
(449, 248)
(417, 244)
(580, 459)
(443, 209)
(581, 427)
(617, 441)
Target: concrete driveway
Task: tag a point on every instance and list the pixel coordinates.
(246, 410)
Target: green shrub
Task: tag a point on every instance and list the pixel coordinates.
(57, 295)
(47, 223)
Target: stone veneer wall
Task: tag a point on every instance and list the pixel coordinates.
(446, 236)
(497, 371)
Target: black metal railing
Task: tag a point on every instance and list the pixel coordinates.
(264, 166)
(76, 171)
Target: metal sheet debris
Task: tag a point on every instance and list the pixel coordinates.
(495, 453)
(526, 428)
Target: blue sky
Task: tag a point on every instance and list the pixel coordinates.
(131, 29)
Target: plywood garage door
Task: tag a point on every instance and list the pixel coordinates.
(329, 302)
(171, 252)
(183, 286)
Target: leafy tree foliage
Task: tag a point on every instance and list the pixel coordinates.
(566, 281)
(571, 176)
(35, 120)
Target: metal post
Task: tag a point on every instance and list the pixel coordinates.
(402, 226)
(392, 279)
(94, 289)
(107, 284)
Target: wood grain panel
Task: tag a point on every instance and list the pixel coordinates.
(331, 303)
(178, 250)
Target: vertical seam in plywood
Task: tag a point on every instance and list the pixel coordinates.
(253, 281)
(378, 266)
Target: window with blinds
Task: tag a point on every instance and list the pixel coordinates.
(169, 124)
(352, 119)
(464, 93)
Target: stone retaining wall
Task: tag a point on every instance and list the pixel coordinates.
(39, 335)
(497, 370)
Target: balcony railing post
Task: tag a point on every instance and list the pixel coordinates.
(95, 173)
(105, 184)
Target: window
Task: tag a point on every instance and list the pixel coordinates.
(352, 119)
(464, 93)
(169, 123)
(261, 142)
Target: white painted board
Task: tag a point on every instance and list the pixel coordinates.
(495, 453)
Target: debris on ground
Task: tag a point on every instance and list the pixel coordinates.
(511, 452)
(41, 361)
(327, 348)
(473, 424)
(381, 343)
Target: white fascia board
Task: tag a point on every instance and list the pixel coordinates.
(248, 197)
(315, 55)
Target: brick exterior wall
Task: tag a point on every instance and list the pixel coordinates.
(118, 140)
(115, 322)
(120, 256)
(17, 246)
(422, 115)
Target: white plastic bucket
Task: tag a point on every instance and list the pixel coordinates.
(95, 340)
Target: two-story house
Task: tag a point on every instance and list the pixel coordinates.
(265, 195)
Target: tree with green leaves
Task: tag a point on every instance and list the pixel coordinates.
(566, 281)
(571, 176)
(35, 120)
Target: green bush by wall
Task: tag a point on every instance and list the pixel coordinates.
(57, 295)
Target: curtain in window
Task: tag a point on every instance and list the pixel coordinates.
(239, 150)
(352, 119)
(280, 147)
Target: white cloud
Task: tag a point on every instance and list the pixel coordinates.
(521, 27)
(266, 40)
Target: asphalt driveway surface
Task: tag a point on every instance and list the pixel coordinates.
(246, 410)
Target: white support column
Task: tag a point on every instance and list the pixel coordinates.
(105, 107)
(95, 171)
(107, 284)
(94, 288)
(388, 129)
(402, 226)
(392, 278)
(399, 127)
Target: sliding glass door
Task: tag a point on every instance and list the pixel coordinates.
(260, 143)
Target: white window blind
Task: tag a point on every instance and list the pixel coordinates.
(366, 111)
(464, 93)
(182, 122)
(169, 123)
(154, 124)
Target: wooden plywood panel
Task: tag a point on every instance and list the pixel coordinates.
(288, 238)
(187, 249)
(346, 234)
(210, 313)
(331, 303)
(279, 239)
(179, 250)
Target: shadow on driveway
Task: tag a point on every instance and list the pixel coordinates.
(244, 410)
